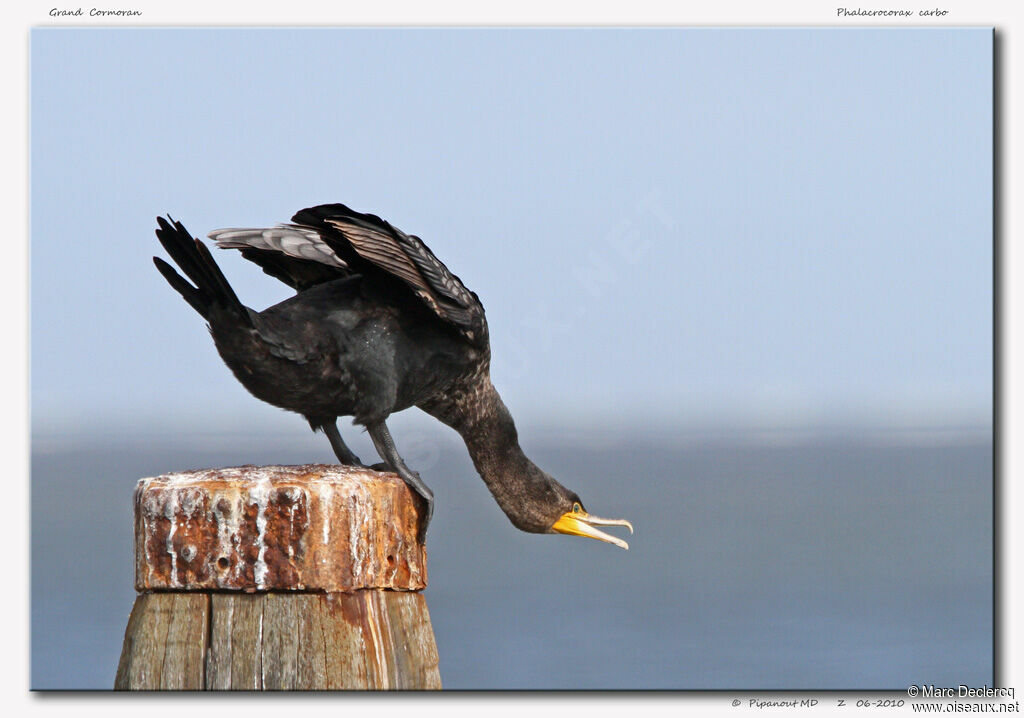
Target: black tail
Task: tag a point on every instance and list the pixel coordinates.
(192, 256)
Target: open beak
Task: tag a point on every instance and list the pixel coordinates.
(582, 524)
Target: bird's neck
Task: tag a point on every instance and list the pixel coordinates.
(485, 424)
(489, 431)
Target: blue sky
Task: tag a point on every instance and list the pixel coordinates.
(777, 227)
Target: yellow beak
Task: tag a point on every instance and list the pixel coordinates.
(580, 523)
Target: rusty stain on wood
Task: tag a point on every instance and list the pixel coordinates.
(314, 527)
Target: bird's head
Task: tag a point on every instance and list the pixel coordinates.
(537, 503)
(531, 498)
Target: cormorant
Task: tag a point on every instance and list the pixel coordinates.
(378, 324)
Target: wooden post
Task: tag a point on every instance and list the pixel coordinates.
(278, 578)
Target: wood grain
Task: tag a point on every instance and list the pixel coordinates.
(165, 643)
(364, 640)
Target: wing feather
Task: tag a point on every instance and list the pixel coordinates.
(406, 257)
(331, 241)
(296, 255)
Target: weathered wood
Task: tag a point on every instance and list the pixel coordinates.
(414, 649)
(165, 643)
(369, 639)
(280, 528)
(244, 656)
(218, 654)
(280, 647)
(305, 559)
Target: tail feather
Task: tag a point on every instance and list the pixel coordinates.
(190, 294)
(193, 258)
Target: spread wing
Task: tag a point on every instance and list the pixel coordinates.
(295, 255)
(359, 240)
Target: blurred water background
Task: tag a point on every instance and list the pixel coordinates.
(841, 562)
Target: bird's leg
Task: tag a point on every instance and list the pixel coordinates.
(344, 454)
(386, 448)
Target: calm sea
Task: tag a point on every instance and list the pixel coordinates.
(807, 563)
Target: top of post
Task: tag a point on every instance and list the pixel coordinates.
(277, 528)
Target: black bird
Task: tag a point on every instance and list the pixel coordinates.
(378, 324)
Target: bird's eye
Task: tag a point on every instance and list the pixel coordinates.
(576, 508)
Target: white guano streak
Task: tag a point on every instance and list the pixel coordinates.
(227, 527)
(170, 508)
(140, 493)
(358, 525)
(326, 494)
(259, 494)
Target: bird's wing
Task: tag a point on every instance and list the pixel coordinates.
(360, 239)
(295, 255)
